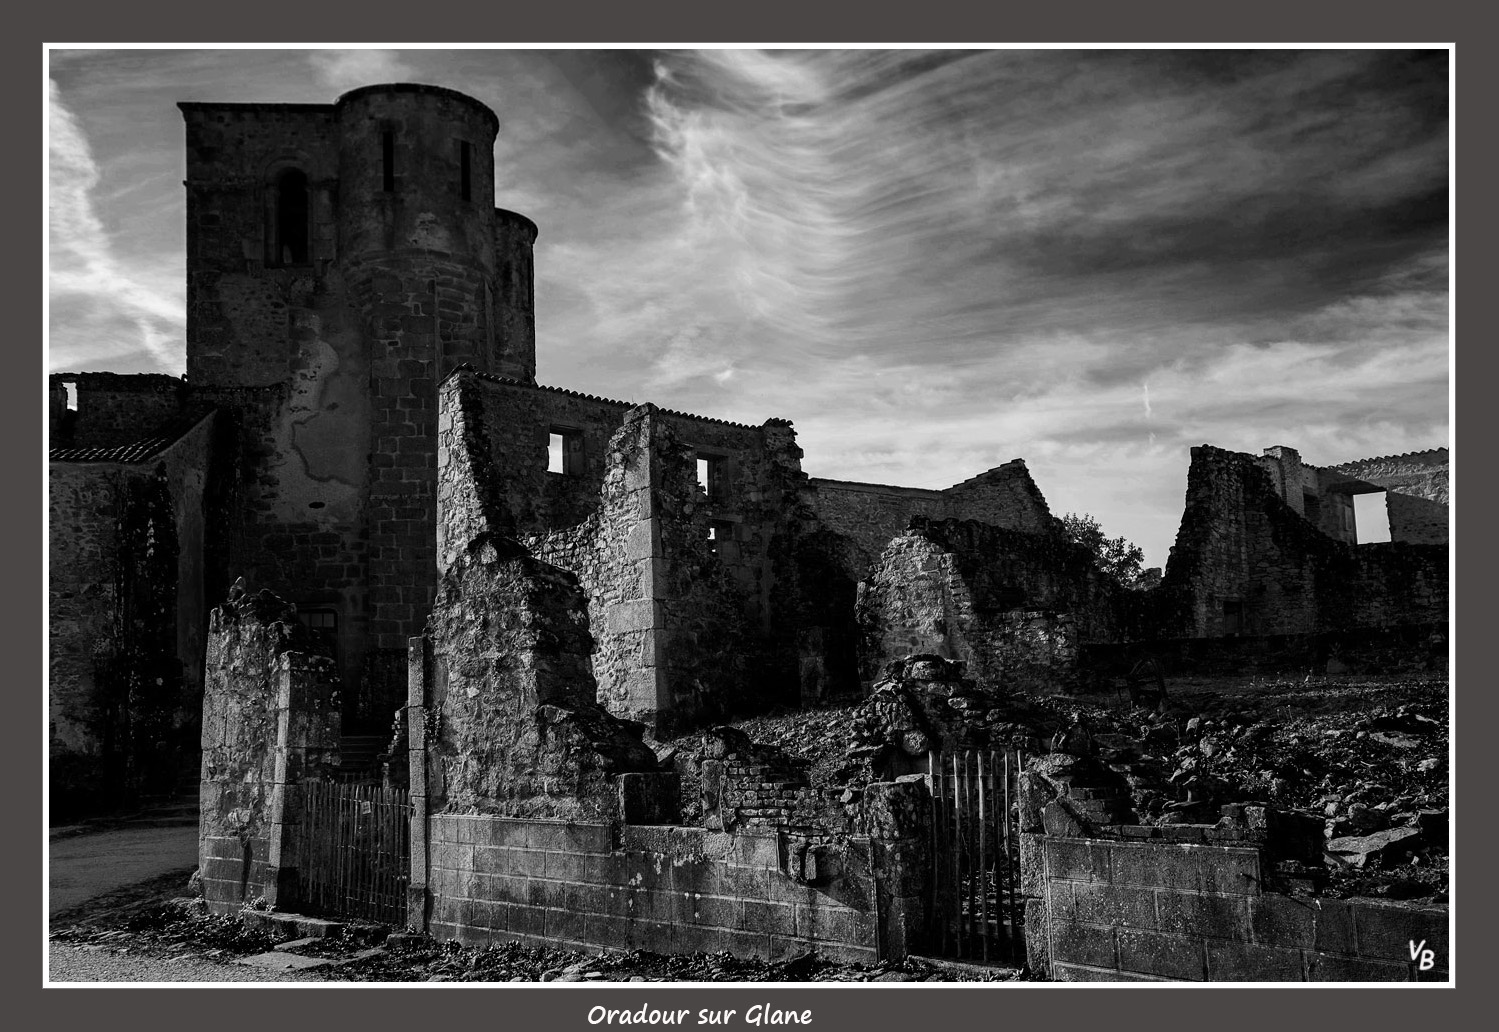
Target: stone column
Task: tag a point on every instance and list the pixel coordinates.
(308, 727)
(418, 655)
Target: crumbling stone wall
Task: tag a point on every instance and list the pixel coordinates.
(744, 785)
(1012, 606)
(756, 892)
(1414, 487)
(125, 582)
(1244, 562)
(113, 409)
(1200, 903)
(511, 725)
(270, 721)
(688, 627)
(871, 514)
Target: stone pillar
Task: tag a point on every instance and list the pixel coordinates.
(647, 696)
(308, 727)
(418, 663)
(897, 817)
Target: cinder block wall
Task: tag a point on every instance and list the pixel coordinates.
(666, 889)
(1152, 909)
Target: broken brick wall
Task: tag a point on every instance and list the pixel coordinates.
(1245, 563)
(270, 721)
(1012, 606)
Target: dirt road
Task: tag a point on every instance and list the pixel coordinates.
(89, 865)
(93, 964)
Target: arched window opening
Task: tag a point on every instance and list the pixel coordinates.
(290, 246)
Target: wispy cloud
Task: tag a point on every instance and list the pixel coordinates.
(101, 308)
(932, 262)
(342, 70)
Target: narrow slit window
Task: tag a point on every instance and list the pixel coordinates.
(388, 159)
(290, 246)
(72, 389)
(465, 180)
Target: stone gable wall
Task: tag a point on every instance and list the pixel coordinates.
(1239, 544)
(1012, 606)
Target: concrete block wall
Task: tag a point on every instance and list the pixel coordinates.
(661, 888)
(1160, 909)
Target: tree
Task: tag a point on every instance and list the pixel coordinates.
(1116, 557)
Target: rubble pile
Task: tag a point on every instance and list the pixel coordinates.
(1367, 757)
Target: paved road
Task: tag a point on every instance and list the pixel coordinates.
(88, 865)
(82, 964)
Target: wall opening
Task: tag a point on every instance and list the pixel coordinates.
(72, 389)
(289, 244)
(388, 160)
(1233, 617)
(719, 531)
(565, 451)
(710, 474)
(465, 179)
(322, 624)
(1311, 508)
(1371, 518)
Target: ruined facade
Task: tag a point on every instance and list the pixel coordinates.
(360, 412)
(1260, 552)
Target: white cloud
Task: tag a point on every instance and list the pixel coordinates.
(342, 70)
(100, 306)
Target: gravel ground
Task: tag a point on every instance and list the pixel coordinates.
(100, 964)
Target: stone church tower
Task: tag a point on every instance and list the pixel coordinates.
(341, 259)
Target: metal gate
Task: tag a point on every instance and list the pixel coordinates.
(976, 910)
(358, 858)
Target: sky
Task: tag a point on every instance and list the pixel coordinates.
(931, 262)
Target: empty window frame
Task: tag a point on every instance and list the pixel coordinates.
(1371, 518)
(711, 472)
(290, 231)
(565, 451)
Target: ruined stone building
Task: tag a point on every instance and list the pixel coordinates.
(360, 413)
